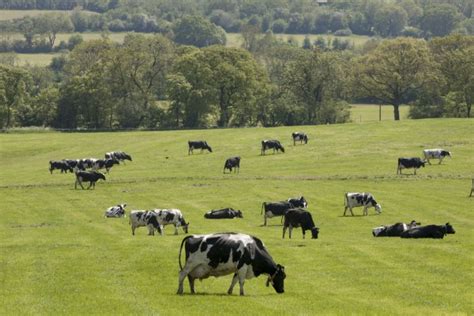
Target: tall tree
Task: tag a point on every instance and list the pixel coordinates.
(197, 31)
(390, 20)
(439, 20)
(455, 55)
(394, 71)
(13, 93)
(53, 23)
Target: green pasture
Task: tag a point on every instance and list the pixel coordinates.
(59, 255)
(363, 113)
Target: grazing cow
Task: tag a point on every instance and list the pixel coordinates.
(223, 213)
(360, 199)
(429, 231)
(105, 163)
(86, 163)
(171, 216)
(60, 165)
(225, 253)
(271, 144)
(437, 153)
(116, 211)
(144, 218)
(394, 230)
(88, 176)
(407, 163)
(298, 202)
(300, 218)
(198, 144)
(118, 155)
(472, 188)
(73, 163)
(233, 162)
(299, 136)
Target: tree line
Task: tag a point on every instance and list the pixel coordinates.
(150, 82)
(385, 18)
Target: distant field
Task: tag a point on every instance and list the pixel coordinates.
(363, 113)
(235, 39)
(16, 14)
(61, 256)
(34, 59)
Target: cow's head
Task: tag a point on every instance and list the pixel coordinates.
(305, 139)
(314, 232)
(414, 223)
(185, 227)
(239, 214)
(126, 156)
(378, 230)
(282, 149)
(378, 208)
(449, 229)
(277, 279)
(100, 175)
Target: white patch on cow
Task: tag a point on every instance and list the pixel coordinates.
(377, 230)
(405, 227)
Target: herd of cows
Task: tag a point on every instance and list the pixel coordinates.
(243, 255)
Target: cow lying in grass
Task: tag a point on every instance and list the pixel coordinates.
(223, 213)
(394, 230)
(429, 231)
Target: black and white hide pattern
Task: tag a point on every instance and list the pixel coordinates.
(198, 144)
(271, 144)
(225, 213)
(118, 155)
(299, 137)
(232, 163)
(142, 218)
(366, 200)
(116, 211)
(88, 176)
(409, 163)
(300, 218)
(106, 164)
(429, 231)
(273, 209)
(437, 153)
(394, 230)
(220, 254)
(171, 217)
(59, 165)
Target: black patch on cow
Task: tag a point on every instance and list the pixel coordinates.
(169, 217)
(221, 250)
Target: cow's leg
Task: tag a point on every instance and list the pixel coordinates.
(414, 171)
(428, 160)
(290, 228)
(191, 284)
(350, 209)
(133, 230)
(176, 229)
(284, 231)
(366, 211)
(345, 210)
(233, 283)
(265, 219)
(182, 275)
(304, 232)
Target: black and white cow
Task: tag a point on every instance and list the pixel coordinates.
(60, 165)
(273, 209)
(360, 199)
(73, 163)
(394, 230)
(116, 211)
(118, 155)
(86, 163)
(88, 176)
(221, 254)
(429, 231)
(271, 144)
(300, 218)
(437, 153)
(232, 163)
(223, 213)
(105, 163)
(171, 216)
(139, 218)
(198, 144)
(408, 163)
(299, 137)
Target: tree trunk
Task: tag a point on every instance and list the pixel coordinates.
(396, 112)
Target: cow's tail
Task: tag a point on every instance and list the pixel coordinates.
(180, 249)
(263, 205)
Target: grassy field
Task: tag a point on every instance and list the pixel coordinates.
(60, 256)
(235, 39)
(362, 113)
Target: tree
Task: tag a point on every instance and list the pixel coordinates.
(53, 23)
(13, 93)
(455, 55)
(439, 20)
(197, 31)
(394, 71)
(317, 80)
(390, 20)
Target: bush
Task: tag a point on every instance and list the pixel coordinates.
(343, 32)
(279, 26)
